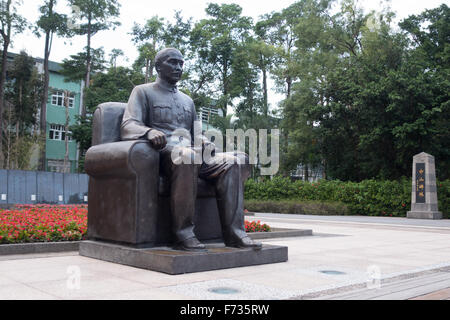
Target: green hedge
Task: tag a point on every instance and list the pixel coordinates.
(296, 207)
(369, 197)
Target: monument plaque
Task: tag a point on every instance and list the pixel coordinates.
(420, 183)
(424, 203)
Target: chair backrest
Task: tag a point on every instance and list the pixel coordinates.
(106, 122)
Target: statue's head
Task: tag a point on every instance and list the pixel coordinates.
(169, 65)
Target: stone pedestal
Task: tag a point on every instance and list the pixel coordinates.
(170, 261)
(424, 203)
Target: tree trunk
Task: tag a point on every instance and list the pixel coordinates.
(21, 106)
(266, 103)
(66, 128)
(6, 39)
(16, 158)
(43, 113)
(288, 86)
(2, 92)
(88, 63)
(147, 70)
(150, 71)
(8, 137)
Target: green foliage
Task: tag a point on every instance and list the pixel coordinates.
(113, 86)
(24, 92)
(156, 34)
(11, 24)
(368, 98)
(95, 15)
(297, 207)
(214, 44)
(74, 69)
(368, 197)
(50, 21)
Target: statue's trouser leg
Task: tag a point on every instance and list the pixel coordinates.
(230, 202)
(230, 199)
(183, 193)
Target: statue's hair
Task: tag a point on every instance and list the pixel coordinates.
(161, 55)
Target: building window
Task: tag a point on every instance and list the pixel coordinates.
(58, 99)
(57, 132)
(207, 113)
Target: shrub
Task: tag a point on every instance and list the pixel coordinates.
(369, 197)
(297, 207)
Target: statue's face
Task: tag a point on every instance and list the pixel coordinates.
(171, 68)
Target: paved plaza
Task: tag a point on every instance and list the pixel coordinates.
(346, 258)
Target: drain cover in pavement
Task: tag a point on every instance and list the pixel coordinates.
(224, 290)
(332, 272)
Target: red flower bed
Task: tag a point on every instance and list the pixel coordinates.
(43, 223)
(53, 223)
(256, 226)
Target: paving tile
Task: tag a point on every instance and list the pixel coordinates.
(233, 290)
(147, 294)
(6, 281)
(39, 274)
(153, 279)
(288, 280)
(88, 287)
(437, 295)
(19, 291)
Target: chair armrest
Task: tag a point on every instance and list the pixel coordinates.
(124, 159)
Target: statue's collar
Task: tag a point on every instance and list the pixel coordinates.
(166, 85)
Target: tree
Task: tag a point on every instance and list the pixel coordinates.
(146, 60)
(23, 94)
(95, 16)
(214, 42)
(23, 91)
(263, 56)
(114, 85)
(73, 68)
(149, 38)
(176, 35)
(245, 84)
(115, 53)
(50, 23)
(368, 98)
(280, 29)
(428, 66)
(10, 24)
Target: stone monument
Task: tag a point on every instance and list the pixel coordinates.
(424, 203)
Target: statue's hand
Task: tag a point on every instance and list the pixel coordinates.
(157, 138)
(210, 147)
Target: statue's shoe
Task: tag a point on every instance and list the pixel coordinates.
(245, 242)
(191, 244)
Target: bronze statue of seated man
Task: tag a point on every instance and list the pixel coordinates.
(155, 111)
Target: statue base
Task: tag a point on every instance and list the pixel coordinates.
(171, 261)
(431, 215)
